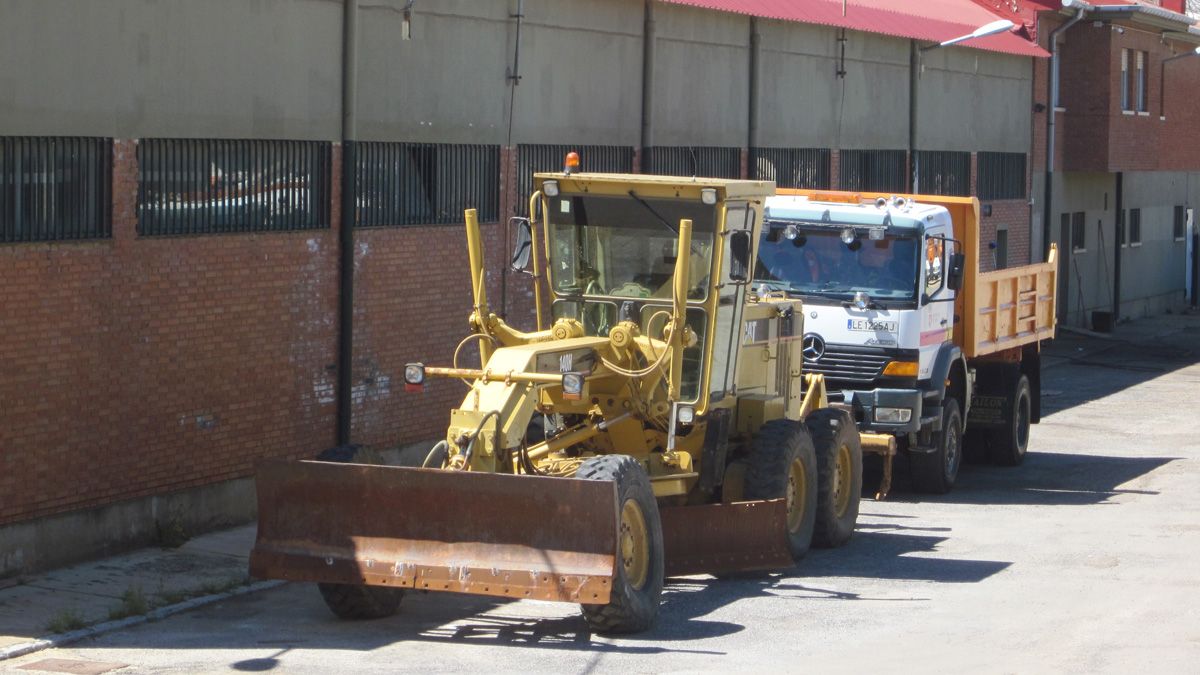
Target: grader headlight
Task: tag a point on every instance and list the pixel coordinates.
(572, 386)
(414, 377)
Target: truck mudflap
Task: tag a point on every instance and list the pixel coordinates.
(488, 534)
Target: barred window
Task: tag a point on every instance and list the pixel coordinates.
(55, 188)
(943, 172)
(872, 170)
(1135, 227)
(532, 159)
(693, 161)
(216, 186)
(1178, 224)
(1001, 176)
(425, 183)
(1078, 231)
(791, 167)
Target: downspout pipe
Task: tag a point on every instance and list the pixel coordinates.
(1052, 85)
(648, 37)
(345, 357)
(755, 84)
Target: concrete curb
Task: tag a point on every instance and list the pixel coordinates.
(96, 630)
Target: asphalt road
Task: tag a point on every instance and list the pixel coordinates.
(1084, 559)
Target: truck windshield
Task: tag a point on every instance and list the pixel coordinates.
(625, 247)
(816, 262)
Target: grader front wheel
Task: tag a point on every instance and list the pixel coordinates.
(638, 582)
(839, 463)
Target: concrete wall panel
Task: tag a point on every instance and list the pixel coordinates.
(974, 100)
(701, 78)
(220, 68)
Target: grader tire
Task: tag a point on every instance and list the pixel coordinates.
(638, 583)
(839, 475)
(348, 601)
(782, 464)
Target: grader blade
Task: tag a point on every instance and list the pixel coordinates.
(716, 538)
(482, 533)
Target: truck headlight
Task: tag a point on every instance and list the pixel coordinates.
(893, 415)
(572, 386)
(414, 377)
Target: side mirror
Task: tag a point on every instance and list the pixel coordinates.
(523, 246)
(739, 256)
(955, 277)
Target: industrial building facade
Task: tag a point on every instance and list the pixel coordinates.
(190, 189)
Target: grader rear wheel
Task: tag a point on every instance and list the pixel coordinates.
(638, 582)
(782, 464)
(839, 484)
(358, 602)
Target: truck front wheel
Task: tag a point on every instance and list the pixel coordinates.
(935, 472)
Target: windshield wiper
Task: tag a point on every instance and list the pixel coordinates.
(664, 221)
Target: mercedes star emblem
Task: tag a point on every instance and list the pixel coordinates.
(813, 347)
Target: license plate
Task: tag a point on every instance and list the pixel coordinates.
(871, 325)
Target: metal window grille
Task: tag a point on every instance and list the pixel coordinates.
(593, 158)
(217, 186)
(941, 172)
(1135, 226)
(1001, 175)
(55, 188)
(792, 167)
(872, 170)
(425, 183)
(693, 161)
(1177, 226)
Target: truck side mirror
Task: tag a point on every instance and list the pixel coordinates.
(523, 246)
(739, 256)
(955, 278)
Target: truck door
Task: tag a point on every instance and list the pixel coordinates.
(937, 311)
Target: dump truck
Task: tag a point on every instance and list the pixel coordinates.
(656, 422)
(911, 337)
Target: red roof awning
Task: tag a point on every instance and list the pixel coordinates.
(928, 20)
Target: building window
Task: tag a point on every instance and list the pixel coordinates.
(1135, 227)
(943, 173)
(425, 183)
(709, 162)
(1001, 175)
(791, 167)
(1125, 101)
(215, 186)
(1000, 253)
(1140, 81)
(55, 188)
(1078, 232)
(1177, 224)
(872, 170)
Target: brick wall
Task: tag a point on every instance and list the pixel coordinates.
(139, 366)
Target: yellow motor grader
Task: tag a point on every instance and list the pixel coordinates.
(657, 423)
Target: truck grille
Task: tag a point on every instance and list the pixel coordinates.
(846, 364)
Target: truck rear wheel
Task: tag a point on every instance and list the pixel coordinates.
(638, 582)
(839, 475)
(782, 464)
(349, 601)
(1007, 445)
(935, 472)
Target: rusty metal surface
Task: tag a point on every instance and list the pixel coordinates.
(885, 446)
(716, 538)
(481, 533)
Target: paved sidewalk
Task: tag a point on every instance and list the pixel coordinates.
(66, 600)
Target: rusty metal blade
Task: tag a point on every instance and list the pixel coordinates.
(715, 538)
(488, 534)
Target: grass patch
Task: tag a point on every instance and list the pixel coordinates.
(66, 620)
(133, 603)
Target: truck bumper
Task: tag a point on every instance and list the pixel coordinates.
(870, 407)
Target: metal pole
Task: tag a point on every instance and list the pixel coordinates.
(647, 81)
(345, 381)
(914, 60)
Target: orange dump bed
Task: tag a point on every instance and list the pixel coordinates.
(995, 311)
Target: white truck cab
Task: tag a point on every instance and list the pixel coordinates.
(880, 277)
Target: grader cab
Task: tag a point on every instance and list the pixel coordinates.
(656, 423)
